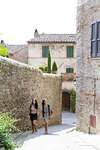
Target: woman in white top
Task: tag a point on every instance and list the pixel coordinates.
(46, 113)
(34, 114)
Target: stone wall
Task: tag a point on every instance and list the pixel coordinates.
(88, 88)
(19, 83)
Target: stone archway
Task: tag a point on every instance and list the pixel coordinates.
(66, 100)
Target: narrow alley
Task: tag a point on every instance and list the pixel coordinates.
(60, 137)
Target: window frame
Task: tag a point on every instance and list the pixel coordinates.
(47, 47)
(95, 54)
(68, 54)
(70, 70)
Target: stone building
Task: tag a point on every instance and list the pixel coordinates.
(18, 52)
(63, 50)
(88, 66)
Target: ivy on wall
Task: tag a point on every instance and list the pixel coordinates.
(73, 100)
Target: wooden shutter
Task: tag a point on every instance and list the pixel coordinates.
(70, 51)
(93, 40)
(98, 39)
(45, 51)
(69, 70)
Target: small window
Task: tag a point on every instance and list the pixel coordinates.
(69, 70)
(95, 39)
(45, 50)
(70, 51)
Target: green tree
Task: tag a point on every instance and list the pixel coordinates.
(54, 66)
(49, 63)
(6, 128)
(3, 51)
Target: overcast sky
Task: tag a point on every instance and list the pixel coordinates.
(20, 18)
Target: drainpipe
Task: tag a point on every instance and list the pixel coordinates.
(94, 94)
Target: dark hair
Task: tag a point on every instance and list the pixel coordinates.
(36, 104)
(43, 102)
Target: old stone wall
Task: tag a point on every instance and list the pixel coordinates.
(88, 88)
(19, 83)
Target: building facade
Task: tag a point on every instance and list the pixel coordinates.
(18, 52)
(88, 66)
(63, 51)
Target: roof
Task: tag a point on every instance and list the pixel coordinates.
(14, 48)
(54, 38)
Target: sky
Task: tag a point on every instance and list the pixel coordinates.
(20, 18)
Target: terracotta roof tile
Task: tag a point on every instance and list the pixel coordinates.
(54, 38)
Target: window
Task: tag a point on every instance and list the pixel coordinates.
(45, 50)
(95, 39)
(69, 70)
(70, 51)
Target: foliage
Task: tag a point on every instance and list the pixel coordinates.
(3, 51)
(49, 63)
(45, 67)
(54, 66)
(6, 128)
(73, 100)
(41, 68)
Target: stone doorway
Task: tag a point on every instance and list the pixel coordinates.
(66, 100)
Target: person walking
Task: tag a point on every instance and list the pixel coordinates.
(34, 114)
(46, 113)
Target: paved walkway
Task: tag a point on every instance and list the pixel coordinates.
(60, 137)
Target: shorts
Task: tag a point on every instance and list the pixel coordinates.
(33, 117)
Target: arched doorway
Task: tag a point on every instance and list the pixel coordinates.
(66, 100)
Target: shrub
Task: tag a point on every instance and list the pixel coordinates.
(41, 68)
(6, 128)
(73, 100)
(54, 66)
(3, 51)
(49, 63)
(45, 67)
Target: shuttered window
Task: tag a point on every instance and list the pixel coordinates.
(70, 51)
(45, 50)
(69, 70)
(95, 39)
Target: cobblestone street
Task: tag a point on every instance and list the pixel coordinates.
(60, 137)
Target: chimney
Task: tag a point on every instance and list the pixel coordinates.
(36, 34)
(2, 41)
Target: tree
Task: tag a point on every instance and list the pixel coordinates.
(54, 66)
(7, 127)
(3, 50)
(49, 63)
